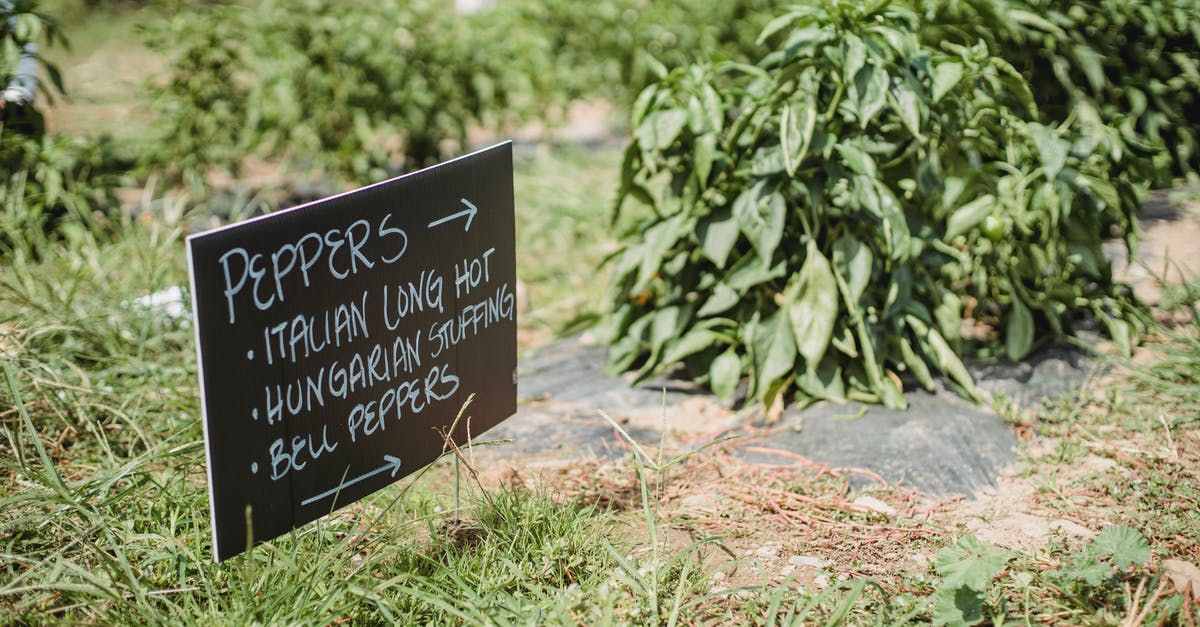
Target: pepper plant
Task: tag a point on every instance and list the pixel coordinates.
(1134, 64)
(858, 208)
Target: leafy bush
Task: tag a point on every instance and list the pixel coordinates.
(50, 186)
(615, 49)
(365, 88)
(361, 88)
(1132, 64)
(857, 205)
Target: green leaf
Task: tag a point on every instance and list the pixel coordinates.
(970, 563)
(749, 272)
(824, 381)
(854, 260)
(711, 103)
(909, 109)
(872, 87)
(945, 76)
(665, 325)
(768, 160)
(693, 342)
(857, 160)
(661, 128)
(774, 349)
(1117, 549)
(705, 155)
(776, 25)
(1092, 64)
(1018, 335)
(813, 305)
(854, 53)
(944, 357)
(718, 233)
(658, 240)
(796, 132)
(724, 374)
(1052, 149)
(957, 607)
(723, 297)
(761, 213)
(915, 364)
(967, 216)
(1121, 333)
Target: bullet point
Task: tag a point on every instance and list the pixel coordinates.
(254, 413)
(249, 354)
(254, 467)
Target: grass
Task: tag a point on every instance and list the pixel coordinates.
(104, 514)
(104, 519)
(563, 235)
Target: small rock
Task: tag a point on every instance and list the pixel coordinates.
(820, 582)
(872, 504)
(769, 551)
(807, 561)
(1072, 529)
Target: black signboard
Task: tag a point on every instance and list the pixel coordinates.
(338, 338)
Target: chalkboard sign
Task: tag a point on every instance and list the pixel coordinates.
(338, 338)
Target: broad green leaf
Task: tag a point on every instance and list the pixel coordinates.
(967, 216)
(724, 374)
(796, 131)
(665, 325)
(952, 188)
(761, 213)
(857, 160)
(945, 76)
(718, 233)
(823, 382)
(661, 128)
(658, 240)
(970, 563)
(1117, 549)
(768, 160)
(909, 108)
(871, 83)
(1018, 335)
(1125, 546)
(854, 260)
(749, 271)
(813, 305)
(957, 607)
(775, 350)
(777, 24)
(854, 53)
(1051, 148)
(693, 342)
(723, 297)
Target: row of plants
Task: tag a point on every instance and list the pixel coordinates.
(362, 90)
(1134, 66)
(861, 205)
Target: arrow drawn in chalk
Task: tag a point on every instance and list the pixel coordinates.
(470, 212)
(393, 464)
